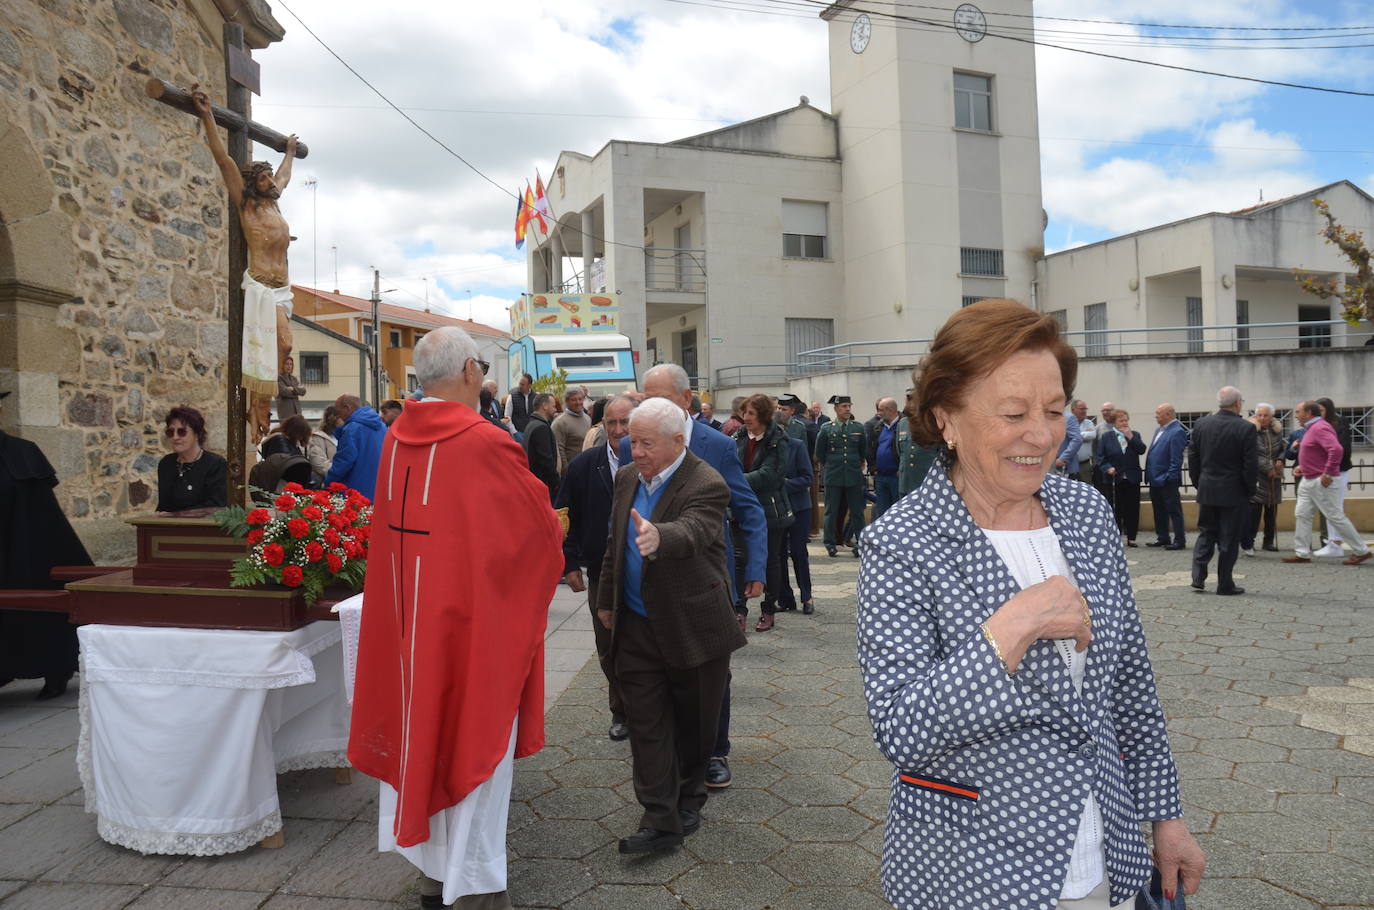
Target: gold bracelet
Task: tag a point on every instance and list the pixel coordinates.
(995, 650)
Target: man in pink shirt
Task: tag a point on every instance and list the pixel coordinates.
(1319, 460)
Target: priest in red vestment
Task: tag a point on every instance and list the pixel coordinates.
(465, 553)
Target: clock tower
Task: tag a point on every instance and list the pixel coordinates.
(940, 160)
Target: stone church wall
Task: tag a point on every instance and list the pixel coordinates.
(113, 245)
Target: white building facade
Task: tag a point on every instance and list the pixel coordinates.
(733, 251)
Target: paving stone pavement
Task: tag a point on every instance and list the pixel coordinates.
(1270, 697)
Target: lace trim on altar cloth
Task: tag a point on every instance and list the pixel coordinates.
(303, 676)
(187, 844)
(312, 760)
(83, 740)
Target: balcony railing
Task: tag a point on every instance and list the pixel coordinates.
(668, 269)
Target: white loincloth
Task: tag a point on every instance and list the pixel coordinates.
(466, 849)
(260, 333)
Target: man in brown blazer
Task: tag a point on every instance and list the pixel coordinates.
(664, 596)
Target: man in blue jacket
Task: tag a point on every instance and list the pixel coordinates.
(668, 380)
(360, 433)
(1164, 474)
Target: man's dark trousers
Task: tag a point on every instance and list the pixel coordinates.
(1218, 527)
(1168, 509)
(887, 488)
(672, 718)
(603, 647)
(840, 503)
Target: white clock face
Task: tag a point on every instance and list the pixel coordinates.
(970, 22)
(860, 33)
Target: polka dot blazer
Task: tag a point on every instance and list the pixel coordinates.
(990, 771)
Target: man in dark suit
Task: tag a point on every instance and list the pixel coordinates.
(670, 381)
(664, 593)
(1223, 464)
(708, 416)
(586, 494)
(541, 448)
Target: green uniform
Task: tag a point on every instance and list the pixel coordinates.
(913, 460)
(840, 450)
(796, 429)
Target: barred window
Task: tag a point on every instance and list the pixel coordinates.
(314, 368)
(976, 261)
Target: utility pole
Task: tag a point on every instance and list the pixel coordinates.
(376, 338)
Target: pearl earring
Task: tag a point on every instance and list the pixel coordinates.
(951, 444)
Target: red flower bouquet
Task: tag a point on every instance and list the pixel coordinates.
(309, 540)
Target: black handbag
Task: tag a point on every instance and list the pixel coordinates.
(1152, 898)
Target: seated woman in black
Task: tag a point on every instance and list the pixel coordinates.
(291, 438)
(190, 477)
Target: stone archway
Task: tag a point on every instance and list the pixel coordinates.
(37, 275)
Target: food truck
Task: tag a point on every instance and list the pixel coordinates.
(579, 333)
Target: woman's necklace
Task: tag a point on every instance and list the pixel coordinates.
(184, 466)
(1063, 646)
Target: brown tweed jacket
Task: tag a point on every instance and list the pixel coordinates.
(684, 582)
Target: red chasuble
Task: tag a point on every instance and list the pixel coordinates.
(464, 556)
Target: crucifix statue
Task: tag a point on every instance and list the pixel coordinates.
(259, 290)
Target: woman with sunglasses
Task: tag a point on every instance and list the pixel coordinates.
(189, 478)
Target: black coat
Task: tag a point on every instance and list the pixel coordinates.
(1127, 463)
(767, 475)
(586, 492)
(542, 451)
(1223, 459)
(35, 536)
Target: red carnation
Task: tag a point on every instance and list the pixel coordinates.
(298, 527)
(337, 487)
(351, 549)
(285, 501)
(254, 537)
(337, 521)
(294, 487)
(273, 554)
(292, 576)
(335, 562)
(350, 516)
(258, 517)
(321, 499)
(331, 537)
(314, 552)
(312, 513)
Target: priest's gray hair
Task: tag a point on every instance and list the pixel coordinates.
(441, 355)
(1228, 396)
(676, 375)
(660, 414)
(1264, 406)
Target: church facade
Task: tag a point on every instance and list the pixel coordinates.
(113, 242)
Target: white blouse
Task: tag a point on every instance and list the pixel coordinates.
(1032, 557)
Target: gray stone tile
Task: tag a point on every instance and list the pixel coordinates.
(43, 839)
(1278, 777)
(560, 839)
(814, 761)
(729, 887)
(1323, 878)
(815, 790)
(1266, 831)
(577, 802)
(42, 782)
(626, 897)
(1227, 796)
(744, 804)
(722, 842)
(17, 715)
(304, 902)
(314, 794)
(161, 898)
(834, 824)
(46, 896)
(350, 866)
(107, 864)
(1334, 811)
(607, 866)
(258, 869)
(13, 758)
(591, 772)
(810, 865)
(1242, 750)
(52, 729)
(830, 899)
(12, 812)
(8, 888)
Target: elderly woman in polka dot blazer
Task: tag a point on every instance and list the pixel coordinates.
(1002, 655)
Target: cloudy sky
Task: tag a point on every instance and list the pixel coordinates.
(509, 85)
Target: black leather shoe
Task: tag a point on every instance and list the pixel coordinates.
(1175, 546)
(1224, 592)
(1269, 548)
(1197, 585)
(650, 840)
(1157, 543)
(830, 549)
(718, 774)
(432, 902)
(691, 820)
(618, 732)
(52, 688)
(808, 607)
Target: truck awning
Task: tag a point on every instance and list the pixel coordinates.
(598, 341)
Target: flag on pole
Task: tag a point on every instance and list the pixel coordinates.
(521, 221)
(532, 204)
(541, 202)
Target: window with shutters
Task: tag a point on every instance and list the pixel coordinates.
(1061, 317)
(973, 102)
(804, 231)
(1194, 316)
(1095, 322)
(979, 261)
(970, 301)
(314, 368)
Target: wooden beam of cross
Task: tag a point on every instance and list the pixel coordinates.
(240, 77)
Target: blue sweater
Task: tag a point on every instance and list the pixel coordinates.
(359, 452)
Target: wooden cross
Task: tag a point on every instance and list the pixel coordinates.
(240, 79)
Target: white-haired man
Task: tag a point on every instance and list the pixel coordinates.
(748, 534)
(450, 682)
(1224, 469)
(664, 594)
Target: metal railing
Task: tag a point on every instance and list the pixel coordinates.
(1361, 477)
(670, 269)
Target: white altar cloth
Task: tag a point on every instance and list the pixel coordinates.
(183, 731)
